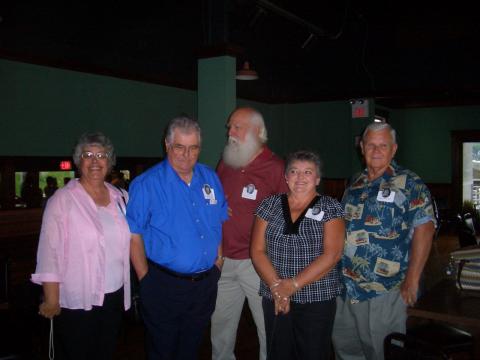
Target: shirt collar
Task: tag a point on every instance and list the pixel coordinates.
(172, 176)
(390, 172)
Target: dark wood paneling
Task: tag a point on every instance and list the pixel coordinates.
(333, 187)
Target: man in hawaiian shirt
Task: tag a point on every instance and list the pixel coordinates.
(390, 225)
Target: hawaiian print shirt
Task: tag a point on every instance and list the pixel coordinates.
(380, 219)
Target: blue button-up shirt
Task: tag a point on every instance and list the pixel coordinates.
(181, 225)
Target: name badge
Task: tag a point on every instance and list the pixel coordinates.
(315, 214)
(208, 193)
(249, 192)
(386, 195)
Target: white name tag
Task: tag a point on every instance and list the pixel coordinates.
(208, 193)
(386, 196)
(315, 214)
(249, 192)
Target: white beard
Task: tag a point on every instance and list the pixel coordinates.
(237, 154)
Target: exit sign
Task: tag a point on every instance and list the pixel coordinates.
(359, 108)
(65, 165)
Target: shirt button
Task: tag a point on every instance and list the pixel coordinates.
(197, 220)
(193, 204)
(201, 236)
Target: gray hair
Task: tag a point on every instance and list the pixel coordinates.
(256, 119)
(185, 124)
(98, 139)
(304, 155)
(376, 126)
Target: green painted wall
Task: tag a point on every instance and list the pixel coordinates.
(424, 138)
(44, 110)
(324, 128)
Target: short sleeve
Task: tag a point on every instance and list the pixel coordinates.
(420, 205)
(222, 201)
(265, 209)
(332, 208)
(138, 207)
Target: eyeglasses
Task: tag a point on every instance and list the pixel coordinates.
(88, 155)
(181, 149)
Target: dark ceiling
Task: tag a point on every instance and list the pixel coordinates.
(403, 53)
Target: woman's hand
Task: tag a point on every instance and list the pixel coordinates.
(281, 291)
(50, 306)
(285, 288)
(282, 305)
(49, 310)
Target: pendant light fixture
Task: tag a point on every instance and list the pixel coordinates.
(245, 73)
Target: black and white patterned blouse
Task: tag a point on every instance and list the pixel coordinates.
(293, 246)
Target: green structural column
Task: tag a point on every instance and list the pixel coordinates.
(216, 98)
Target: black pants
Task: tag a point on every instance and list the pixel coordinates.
(89, 335)
(176, 313)
(302, 334)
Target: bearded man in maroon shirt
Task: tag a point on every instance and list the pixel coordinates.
(249, 172)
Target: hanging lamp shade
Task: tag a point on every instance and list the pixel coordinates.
(245, 73)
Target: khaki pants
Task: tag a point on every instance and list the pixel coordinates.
(239, 280)
(359, 329)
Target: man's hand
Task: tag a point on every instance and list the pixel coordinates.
(219, 262)
(419, 252)
(409, 291)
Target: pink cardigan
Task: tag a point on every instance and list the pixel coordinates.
(71, 249)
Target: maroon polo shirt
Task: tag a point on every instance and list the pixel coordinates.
(267, 174)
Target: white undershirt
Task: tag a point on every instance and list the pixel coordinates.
(113, 251)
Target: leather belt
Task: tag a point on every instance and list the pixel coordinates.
(189, 277)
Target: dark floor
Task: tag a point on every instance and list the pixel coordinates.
(22, 330)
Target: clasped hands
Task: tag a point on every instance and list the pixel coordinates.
(282, 290)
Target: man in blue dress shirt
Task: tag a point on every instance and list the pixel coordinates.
(175, 214)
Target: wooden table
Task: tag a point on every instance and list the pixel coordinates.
(445, 303)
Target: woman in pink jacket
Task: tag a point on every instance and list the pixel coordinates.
(83, 256)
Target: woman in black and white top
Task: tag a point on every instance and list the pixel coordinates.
(297, 241)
